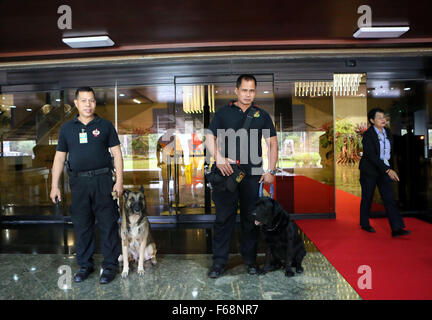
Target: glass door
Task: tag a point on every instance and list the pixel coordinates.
(197, 99)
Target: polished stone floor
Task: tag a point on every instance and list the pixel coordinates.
(175, 277)
(31, 255)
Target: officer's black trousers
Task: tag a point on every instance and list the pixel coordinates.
(385, 186)
(91, 198)
(226, 211)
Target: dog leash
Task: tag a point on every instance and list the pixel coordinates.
(261, 192)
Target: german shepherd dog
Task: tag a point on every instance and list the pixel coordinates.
(285, 246)
(137, 242)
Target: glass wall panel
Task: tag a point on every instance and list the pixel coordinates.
(194, 104)
(29, 128)
(304, 123)
(28, 121)
(145, 126)
(350, 109)
(407, 105)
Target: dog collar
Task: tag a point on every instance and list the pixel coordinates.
(274, 228)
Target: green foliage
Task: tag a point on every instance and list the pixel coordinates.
(348, 138)
(307, 159)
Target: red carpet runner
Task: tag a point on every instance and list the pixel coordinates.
(401, 268)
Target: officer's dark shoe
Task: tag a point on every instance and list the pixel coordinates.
(107, 276)
(253, 269)
(216, 271)
(82, 274)
(368, 229)
(400, 232)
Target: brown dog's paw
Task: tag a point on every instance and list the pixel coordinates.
(125, 273)
(141, 271)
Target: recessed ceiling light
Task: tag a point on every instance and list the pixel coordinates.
(136, 101)
(380, 32)
(28, 109)
(89, 42)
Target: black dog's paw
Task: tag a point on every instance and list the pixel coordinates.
(289, 273)
(299, 269)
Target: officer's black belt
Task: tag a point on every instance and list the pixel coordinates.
(90, 173)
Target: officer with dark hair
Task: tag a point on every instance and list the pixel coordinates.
(87, 140)
(232, 117)
(376, 170)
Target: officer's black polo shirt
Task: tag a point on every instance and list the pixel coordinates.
(232, 117)
(94, 154)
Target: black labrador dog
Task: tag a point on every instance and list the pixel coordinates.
(284, 244)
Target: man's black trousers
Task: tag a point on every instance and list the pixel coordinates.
(226, 203)
(385, 186)
(92, 200)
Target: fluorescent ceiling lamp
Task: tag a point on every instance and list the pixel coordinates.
(380, 32)
(136, 101)
(88, 42)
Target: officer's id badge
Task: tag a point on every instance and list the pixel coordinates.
(256, 114)
(96, 132)
(240, 177)
(83, 137)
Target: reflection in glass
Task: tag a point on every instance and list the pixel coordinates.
(29, 122)
(145, 127)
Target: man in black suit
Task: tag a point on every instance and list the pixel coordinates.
(375, 170)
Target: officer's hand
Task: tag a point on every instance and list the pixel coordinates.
(118, 187)
(55, 193)
(267, 178)
(223, 164)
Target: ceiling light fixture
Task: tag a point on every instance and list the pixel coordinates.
(88, 42)
(380, 32)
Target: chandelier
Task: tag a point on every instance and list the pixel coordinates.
(343, 84)
(313, 88)
(346, 84)
(194, 98)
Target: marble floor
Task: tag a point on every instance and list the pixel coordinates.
(36, 262)
(175, 277)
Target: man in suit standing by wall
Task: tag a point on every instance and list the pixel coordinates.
(375, 170)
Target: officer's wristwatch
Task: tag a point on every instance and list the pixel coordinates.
(272, 172)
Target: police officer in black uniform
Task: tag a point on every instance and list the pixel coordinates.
(232, 116)
(86, 139)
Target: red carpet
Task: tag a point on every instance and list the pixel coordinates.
(401, 268)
